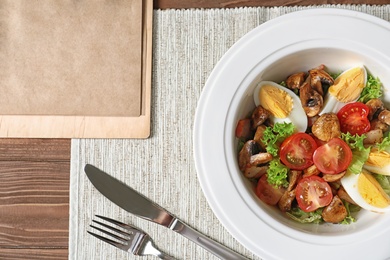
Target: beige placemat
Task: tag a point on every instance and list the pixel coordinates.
(187, 45)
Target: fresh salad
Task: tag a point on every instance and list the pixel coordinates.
(317, 145)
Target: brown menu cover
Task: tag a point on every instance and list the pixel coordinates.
(75, 69)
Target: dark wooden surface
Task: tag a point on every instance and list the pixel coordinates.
(34, 173)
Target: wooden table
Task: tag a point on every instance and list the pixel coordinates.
(34, 173)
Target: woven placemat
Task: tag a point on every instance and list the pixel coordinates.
(187, 45)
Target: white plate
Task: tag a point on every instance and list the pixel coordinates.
(295, 42)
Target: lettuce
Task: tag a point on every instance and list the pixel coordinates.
(305, 217)
(373, 89)
(277, 173)
(385, 144)
(273, 136)
(349, 219)
(359, 152)
(384, 181)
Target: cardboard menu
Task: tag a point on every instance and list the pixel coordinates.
(75, 69)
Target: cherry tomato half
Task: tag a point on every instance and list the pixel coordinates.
(332, 157)
(353, 118)
(312, 193)
(296, 152)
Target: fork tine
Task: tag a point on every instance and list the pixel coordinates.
(108, 233)
(123, 225)
(107, 240)
(112, 228)
(113, 221)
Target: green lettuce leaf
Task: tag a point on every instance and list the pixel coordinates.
(373, 89)
(359, 152)
(277, 173)
(273, 136)
(384, 181)
(305, 217)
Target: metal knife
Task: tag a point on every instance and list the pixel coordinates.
(137, 204)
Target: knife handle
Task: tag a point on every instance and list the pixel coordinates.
(212, 246)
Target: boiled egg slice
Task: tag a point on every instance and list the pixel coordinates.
(283, 104)
(378, 162)
(346, 88)
(365, 190)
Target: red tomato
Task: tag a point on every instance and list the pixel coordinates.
(312, 193)
(243, 129)
(353, 118)
(296, 152)
(332, 157)
(268, 192)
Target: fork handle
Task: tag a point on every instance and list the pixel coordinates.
(212, 246)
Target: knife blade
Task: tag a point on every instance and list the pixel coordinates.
(137, 204)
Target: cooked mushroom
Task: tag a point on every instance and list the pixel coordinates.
(345, 196)
(286, 200)
(335, 212)
(373, 137)
(384, 116)
(377, 124)
(311, 170)
(333, 177)
(251, 161)
(244, 157)
(376, 106)
(326, 127)
(295, 80)
(293, 177)
(318, 77)
(259, 115)
(259, 135)
(311, 100)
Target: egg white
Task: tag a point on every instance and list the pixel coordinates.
(350, 184)
(297, 115)
(331, 104)
(385, 170)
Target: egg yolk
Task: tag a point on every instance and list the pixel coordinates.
(277, 101)
(378, 158)
(371, 191)
(348, 86)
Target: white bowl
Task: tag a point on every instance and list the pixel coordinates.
(339, 39)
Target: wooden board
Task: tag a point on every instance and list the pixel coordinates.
(82, 120)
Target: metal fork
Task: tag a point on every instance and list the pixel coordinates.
(132, 240)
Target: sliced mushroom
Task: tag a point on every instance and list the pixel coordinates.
(259, 115)
(286, 200)
(373, 137)
(377, 124)
(384, 116)
(295, 80)
(326, 127)
(345, 196)
(259, 136)
(311, 100)
(311, 170)
(318, 77)
(333, 177)
(293, 177)
(260, 158)
(335, 212)
(244, 157)
(376, 106)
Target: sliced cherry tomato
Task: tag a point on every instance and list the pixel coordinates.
(353, 118)
(243, 129)
(312, 193)
(296, 152)
(268, 192)
(332, 157)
